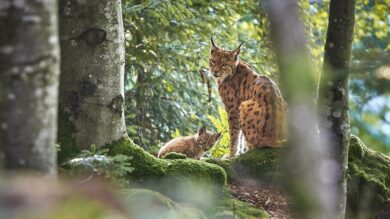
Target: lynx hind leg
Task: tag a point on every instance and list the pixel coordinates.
(252, 122)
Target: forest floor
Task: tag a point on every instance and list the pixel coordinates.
(268, 198)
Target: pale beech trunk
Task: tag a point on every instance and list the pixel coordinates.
(309, 170)
(92, 79)
(29, 71)
(333, 91)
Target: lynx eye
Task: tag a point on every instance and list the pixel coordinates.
(212, 62)
(225, 66)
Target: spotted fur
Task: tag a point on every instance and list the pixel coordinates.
(193, 146)
(254, 103)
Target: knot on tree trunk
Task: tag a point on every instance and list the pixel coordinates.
(94, 36)
(117, 104)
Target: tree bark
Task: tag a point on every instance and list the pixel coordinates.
(92, 80)
(333, 91)
(29, 72)
(306, 164)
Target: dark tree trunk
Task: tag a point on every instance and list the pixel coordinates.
(333, 91)
(306, 162)
(29, 71)
(92, 81)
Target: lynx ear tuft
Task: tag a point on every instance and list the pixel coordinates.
(213, 45)
(202, 130)
(236, 52)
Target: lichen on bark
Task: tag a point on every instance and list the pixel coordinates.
(29, 71)
(92, 79)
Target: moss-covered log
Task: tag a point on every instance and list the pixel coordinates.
(184, 180)
(368, 189)
(147, 167)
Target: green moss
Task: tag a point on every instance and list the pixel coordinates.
(245, 210)
(145, 165)
(260, 164)
(65, 138)
(368, 179)
(198, 170)
(149, 167)
(174, 155)
(231, 207)
(226, 165)
(184, 180)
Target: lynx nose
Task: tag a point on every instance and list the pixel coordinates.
(216, 73)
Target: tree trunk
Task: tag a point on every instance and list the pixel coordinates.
(333, 91)
(307, 167)
(29, 71)
(92, 80)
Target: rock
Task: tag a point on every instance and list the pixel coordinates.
(368, 176)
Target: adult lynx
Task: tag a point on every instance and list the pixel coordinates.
(254, 103)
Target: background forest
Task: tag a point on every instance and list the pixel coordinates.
(88, 88)
(170, 92)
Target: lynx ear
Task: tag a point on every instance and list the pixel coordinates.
(213, 45)
(217, 136)
(236, 52)
(202, 130)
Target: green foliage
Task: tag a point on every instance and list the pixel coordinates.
(97, 162)
(370, 55)
(221, 125)
(176, 134)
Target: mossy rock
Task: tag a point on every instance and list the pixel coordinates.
(262, 165)
(368, 176)
(368, 182)
(147, 167)
(182, 180)
(226, 165)
(174, 155)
